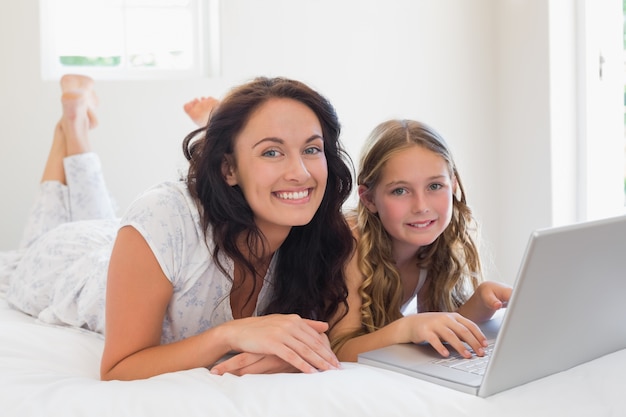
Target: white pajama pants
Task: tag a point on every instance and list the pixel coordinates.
(59, 272)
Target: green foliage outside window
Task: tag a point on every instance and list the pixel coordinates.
(88, 61)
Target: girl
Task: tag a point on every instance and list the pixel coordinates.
(416, 263)
(245, 255)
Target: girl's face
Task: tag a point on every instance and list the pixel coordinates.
(413, 198)
(280, 166)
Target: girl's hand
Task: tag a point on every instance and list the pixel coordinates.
(276, 341)
(489, 297)
(451, 328)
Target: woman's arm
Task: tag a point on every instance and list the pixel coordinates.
(137, 297)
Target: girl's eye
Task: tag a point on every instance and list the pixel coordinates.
(435, 187)
(398, 191)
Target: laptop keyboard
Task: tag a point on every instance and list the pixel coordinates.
(475, 364)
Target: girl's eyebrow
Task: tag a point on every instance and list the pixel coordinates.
(437, 177)
(280, 141)
(404, 182)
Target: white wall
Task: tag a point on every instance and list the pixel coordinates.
(559, 126)
(476, 70)
(524, 166)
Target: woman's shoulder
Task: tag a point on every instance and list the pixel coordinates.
(167, 191)
(164, 201)
(172, 195)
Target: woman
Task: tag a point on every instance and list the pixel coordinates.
(245, 255)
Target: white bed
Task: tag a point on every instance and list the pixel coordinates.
(53, 371)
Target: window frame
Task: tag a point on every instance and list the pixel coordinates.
(205, 61)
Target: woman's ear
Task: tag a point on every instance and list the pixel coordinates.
(228, 170)
(367, 199)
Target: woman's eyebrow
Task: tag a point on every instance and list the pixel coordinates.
(270, 139)
(281, 141)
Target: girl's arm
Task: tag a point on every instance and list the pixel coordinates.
(488, 298)
(432, 328)
(137, 297)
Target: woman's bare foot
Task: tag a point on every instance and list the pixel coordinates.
(71, 132)
(199, 109)
(81, 84)
(75, 122)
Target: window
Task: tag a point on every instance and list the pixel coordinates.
(601, 119)
(129, 39)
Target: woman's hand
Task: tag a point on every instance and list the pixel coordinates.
(277, 343)
(252, 363)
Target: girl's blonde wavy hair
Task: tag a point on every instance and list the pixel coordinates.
(452, 260)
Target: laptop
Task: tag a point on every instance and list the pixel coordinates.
(567, 308)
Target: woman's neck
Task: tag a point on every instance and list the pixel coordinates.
(273, 237)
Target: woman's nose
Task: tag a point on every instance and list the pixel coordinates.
(297, 170)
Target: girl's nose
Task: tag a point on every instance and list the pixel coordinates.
(419, 203)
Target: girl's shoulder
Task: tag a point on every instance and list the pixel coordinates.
(351, 219)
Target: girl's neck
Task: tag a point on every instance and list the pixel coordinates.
(406, 262)
(404, 255)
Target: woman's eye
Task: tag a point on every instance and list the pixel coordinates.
(272, 153)
(313, 150)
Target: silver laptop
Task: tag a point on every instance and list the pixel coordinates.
(567, 308)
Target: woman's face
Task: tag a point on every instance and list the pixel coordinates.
(413, 198)
(280, 166)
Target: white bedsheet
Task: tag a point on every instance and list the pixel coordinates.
(53, 371)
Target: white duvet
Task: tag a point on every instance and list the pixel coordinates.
(53, 371)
